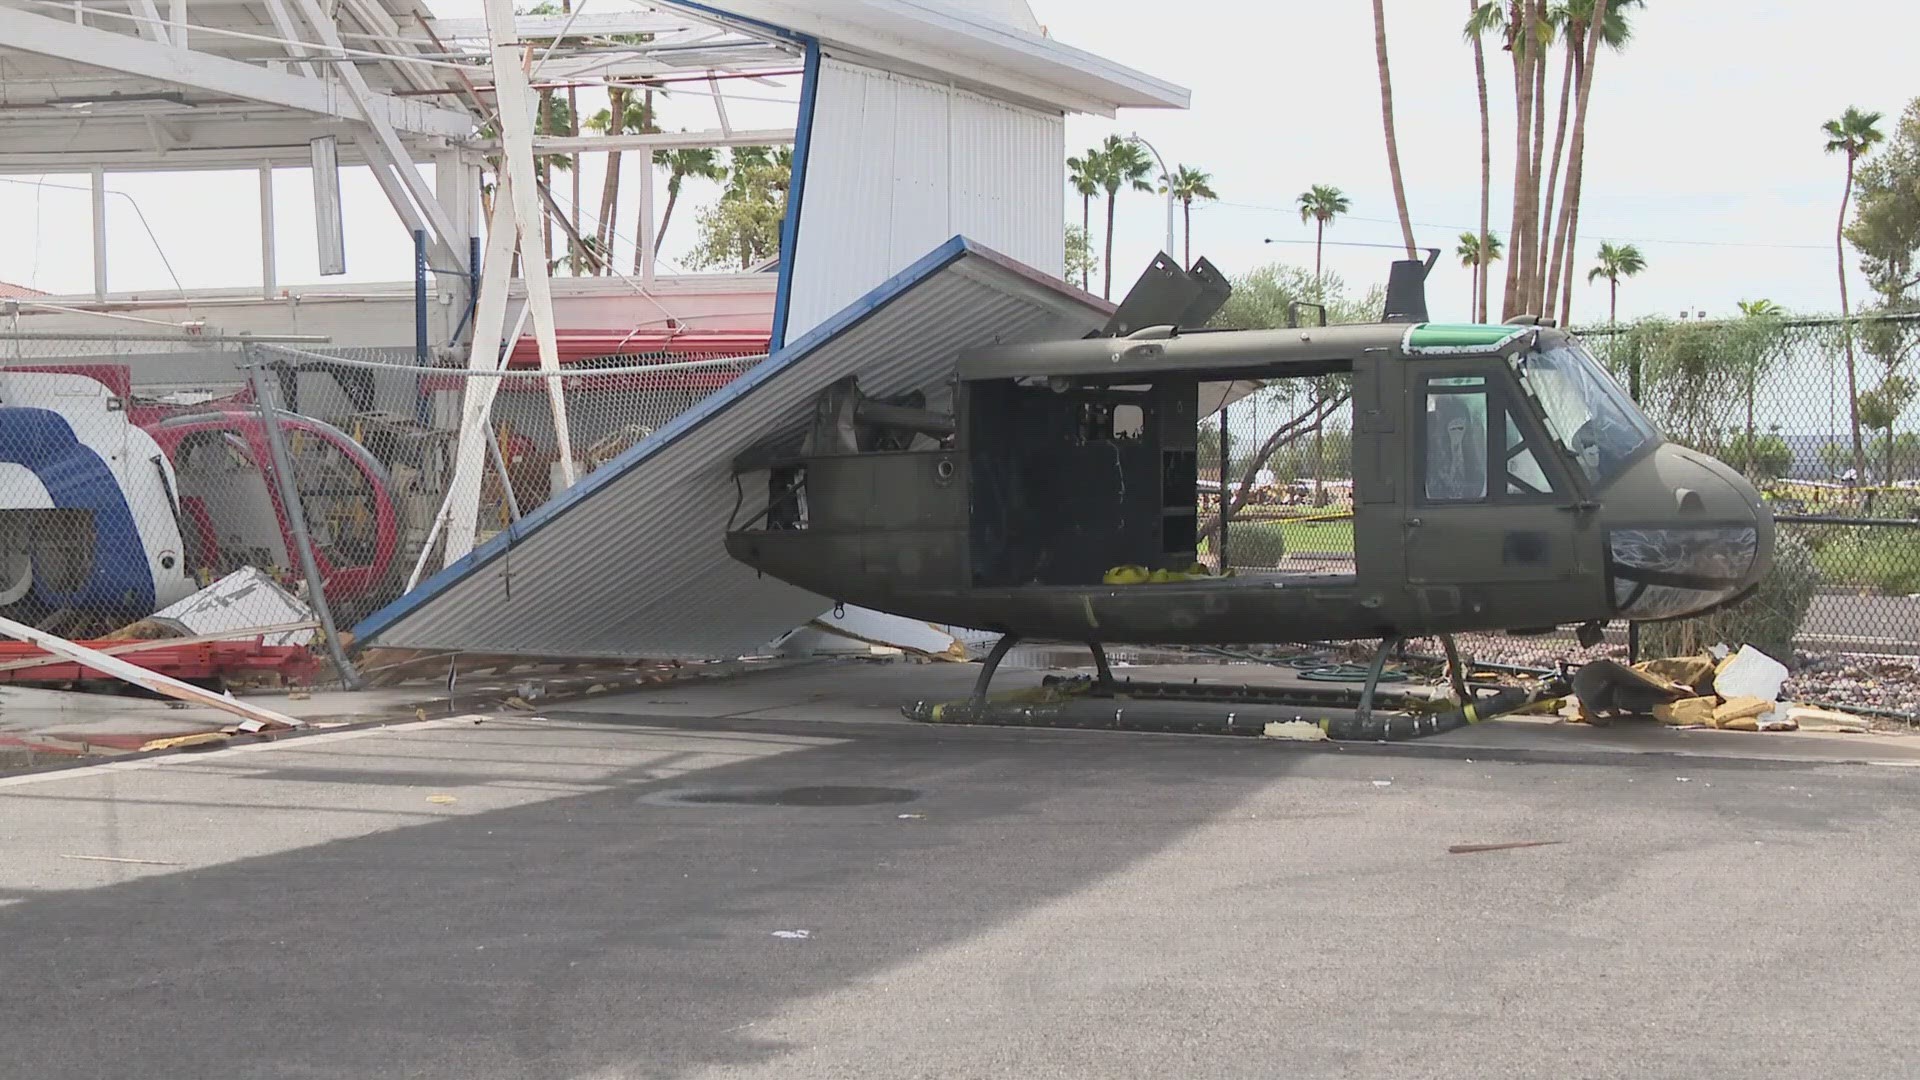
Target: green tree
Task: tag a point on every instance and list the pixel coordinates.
(624, 113)
(1880, 409)
(1886, 220)
(1755, 347)
(1189, 184)
(1321, 204)
(1080, 259)
(1616, 262)
(1084, 176)
(1386, 123)
(1575, 19)
(1484, 236)
(701, 163)
(1767, 457)
(743, 228)
(1469, 251)
(1288, 409)
(1853, 134)
(1123, 164)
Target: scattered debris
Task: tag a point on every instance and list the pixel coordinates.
(118, 859)
(204, 738)
(910, 817)
(1813, 719)
(142, 677)
(1475, 849)
(442, 799)
(1749, 673)
(237, 602)
(1605, 687)
(1383, 783)
(801, 935)
(1695, 672)
(1686, 712)
(1741, 707)
(1295, 731)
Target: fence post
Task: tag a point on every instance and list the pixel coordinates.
(1226, 455)
(289, 490)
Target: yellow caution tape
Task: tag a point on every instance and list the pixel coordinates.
(1140, 575)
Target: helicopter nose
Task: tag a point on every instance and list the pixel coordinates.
(1711, 540)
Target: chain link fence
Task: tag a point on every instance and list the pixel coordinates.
(1775, 398)
(242, 494)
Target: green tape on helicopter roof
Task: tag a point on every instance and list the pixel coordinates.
(1459, 337)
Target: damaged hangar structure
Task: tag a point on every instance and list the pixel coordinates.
(925, 218)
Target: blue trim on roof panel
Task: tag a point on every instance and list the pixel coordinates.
(719, 401)
(771, 28)
(796, 193)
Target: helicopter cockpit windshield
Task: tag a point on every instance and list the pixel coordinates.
(1584, 408)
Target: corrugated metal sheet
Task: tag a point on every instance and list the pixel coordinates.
(630, 562)
(896, 165)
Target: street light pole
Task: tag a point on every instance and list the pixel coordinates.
(1166, 180)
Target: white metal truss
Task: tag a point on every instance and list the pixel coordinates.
(62, 40)
(389, 157)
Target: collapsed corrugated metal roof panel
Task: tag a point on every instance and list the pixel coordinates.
(630, 561)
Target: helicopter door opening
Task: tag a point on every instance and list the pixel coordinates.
(1486, 521)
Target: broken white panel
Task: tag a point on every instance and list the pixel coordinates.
(243, 599)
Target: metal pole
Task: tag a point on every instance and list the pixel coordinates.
(297, 521)
(421, 413)
(500, 467)
(1166, 178)
(1226, 444)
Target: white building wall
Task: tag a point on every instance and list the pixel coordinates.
(898, 166)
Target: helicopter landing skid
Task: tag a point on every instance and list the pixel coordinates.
(1342, 714)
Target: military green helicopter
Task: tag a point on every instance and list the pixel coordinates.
(1502, 481)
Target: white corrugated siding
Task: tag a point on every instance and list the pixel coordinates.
(895, 166)
(635, 567)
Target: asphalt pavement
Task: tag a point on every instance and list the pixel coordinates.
(778, 877)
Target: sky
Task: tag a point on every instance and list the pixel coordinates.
(1704, 150)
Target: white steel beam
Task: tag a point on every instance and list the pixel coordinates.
(177, 23)
(150, 28)
(439, 228)
(720, 105)
(43, 36)
(283, 25)
(550, 145)
(99, 233)
(267, 268)
(516, 130)
(476, 404)
(583, 25)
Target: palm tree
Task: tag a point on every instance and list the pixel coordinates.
(1616, 263)
(1469, 252)
(1123, 164)
(1320, 204)
(700, 162)
(1386, 120)
(1854, 135)
(1474, 30)
(1578, 16)
(1189, 184)
(1083, 173)
(1755, 351)
(624, 114)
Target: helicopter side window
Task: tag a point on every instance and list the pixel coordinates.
(1456, 439)
(1524, 474)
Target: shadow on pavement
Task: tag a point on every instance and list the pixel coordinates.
(628, 931)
